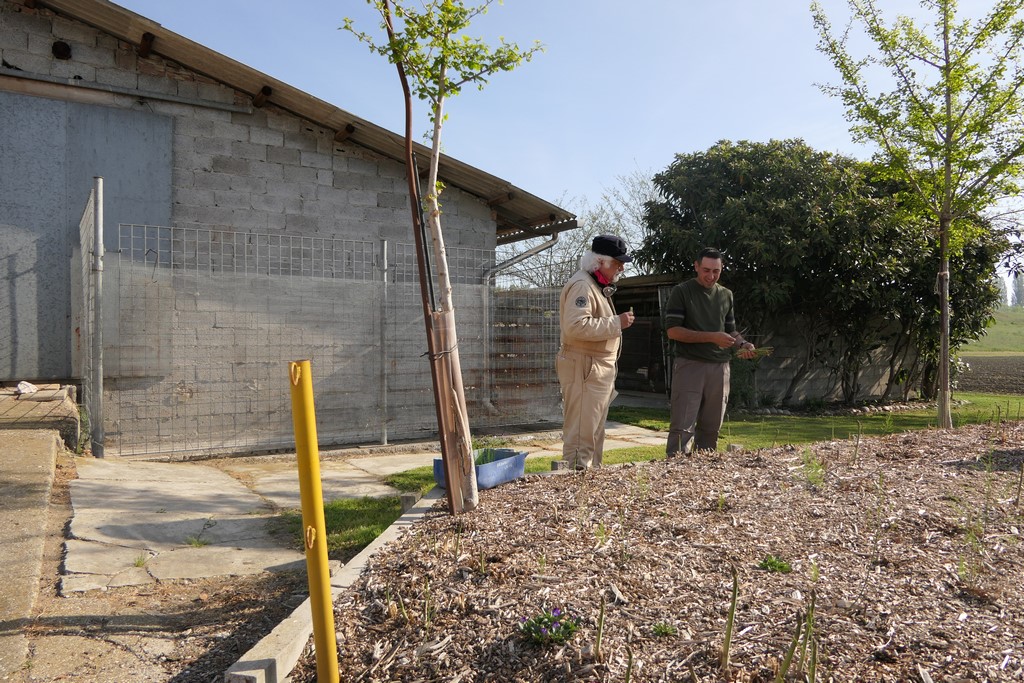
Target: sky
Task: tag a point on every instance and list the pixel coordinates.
(621, 86)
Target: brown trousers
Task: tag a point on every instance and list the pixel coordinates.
(700, 393)
(588, 387)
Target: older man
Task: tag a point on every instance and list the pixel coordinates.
(701, 324)
(591, 336)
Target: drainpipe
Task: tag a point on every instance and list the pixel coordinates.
(384, 343)
(96, 419)
(488, 275)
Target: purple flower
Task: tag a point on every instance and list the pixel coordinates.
(556, 612)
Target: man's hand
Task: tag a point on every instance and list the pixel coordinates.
(723, 340)
(746, 351)
(626, 318)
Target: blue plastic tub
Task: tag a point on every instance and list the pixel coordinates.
(493, 466)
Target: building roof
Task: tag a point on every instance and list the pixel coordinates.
(519, 215)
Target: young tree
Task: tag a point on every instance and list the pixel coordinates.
(952, 125)
(428, 45)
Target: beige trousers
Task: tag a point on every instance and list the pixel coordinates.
(700, 394)
(588, 387)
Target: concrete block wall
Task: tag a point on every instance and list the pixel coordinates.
(775, 373)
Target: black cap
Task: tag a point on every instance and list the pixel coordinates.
(610, 245)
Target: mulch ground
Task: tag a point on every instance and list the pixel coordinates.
(900, 559)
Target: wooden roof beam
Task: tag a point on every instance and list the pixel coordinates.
(501, 199)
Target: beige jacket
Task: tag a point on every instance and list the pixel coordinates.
(587, 319)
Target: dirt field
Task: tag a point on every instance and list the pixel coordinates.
(994, 374)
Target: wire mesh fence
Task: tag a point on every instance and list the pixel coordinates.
(204, 323)
(83, 306)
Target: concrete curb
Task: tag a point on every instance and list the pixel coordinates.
(272, 659)
(30, 457)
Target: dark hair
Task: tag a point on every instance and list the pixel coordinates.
(709, 252)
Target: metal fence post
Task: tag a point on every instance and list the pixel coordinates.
(96, 419)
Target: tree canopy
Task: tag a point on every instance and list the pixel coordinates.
(819, 245)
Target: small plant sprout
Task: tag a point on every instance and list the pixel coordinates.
(602, 534)
(813, 467)
(787, 660)
(856, 447)
(770, 563)
(808, 635)
(427, 607)
(730, 622)
(642, 485)
(664, 629)
(458, 542)
(550, 626)
(198, 541)
(140, 561)
(600, 634)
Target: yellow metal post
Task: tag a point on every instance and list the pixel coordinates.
(314, 528)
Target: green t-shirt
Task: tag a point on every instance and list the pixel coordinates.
(693, 306)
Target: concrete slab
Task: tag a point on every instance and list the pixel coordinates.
(196, 563)
(89, 557)
(385, 465)
(277, 481)
(176, 520)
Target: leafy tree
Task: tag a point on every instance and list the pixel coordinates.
(427, 44)
(951, 128)
(789, 221)
(817, 245)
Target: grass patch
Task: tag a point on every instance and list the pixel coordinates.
(1005, 336)
(766, 431)
(417, 480)
(352, 523)
(770, 563)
